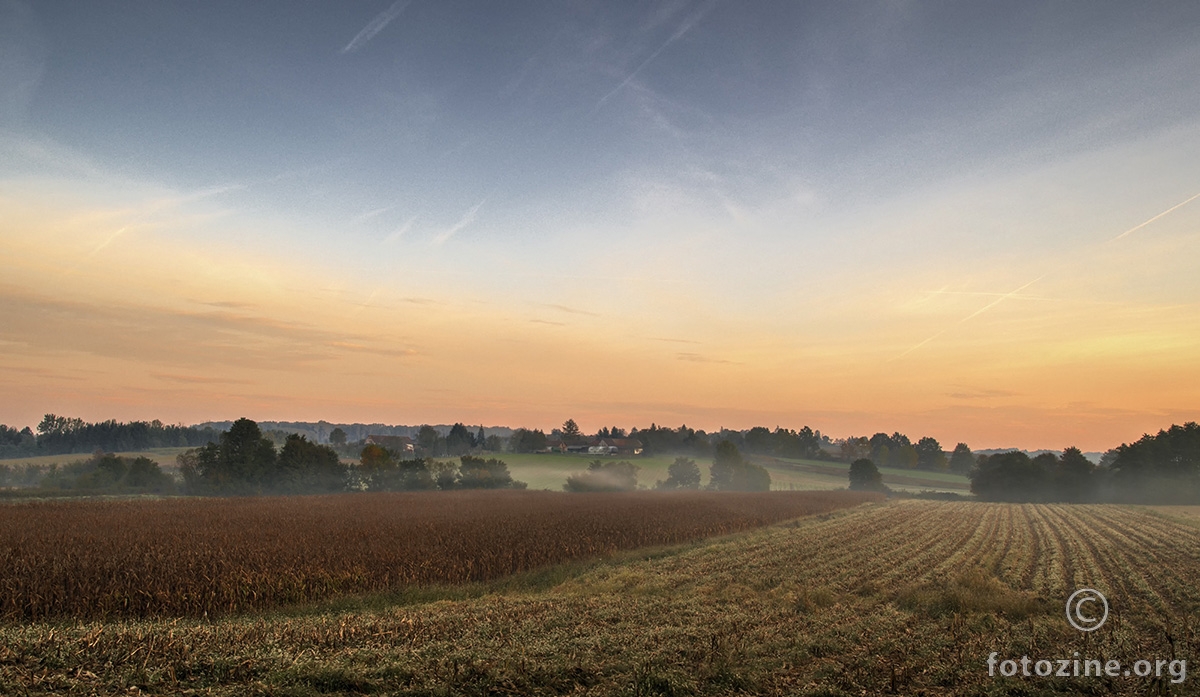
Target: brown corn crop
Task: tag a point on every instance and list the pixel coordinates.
(191, 557)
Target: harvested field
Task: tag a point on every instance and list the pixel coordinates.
(181, 557)
(902, 598)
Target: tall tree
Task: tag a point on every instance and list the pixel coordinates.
(865, 476)
(459, 441)
(429, 441)
(571, 433)
(962, 459)
(930, 455)
(307, 466)
(681, 474)
(242, 461)
(1010, 476)
(525, 441)
(1074, 478)
(731, 472)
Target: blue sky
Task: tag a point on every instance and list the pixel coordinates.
(732, 213)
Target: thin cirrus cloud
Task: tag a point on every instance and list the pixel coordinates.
(698, 358)
(375, 26)
(44, 325)
(463, 222)
(198, 379)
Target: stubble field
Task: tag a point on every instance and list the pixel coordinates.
(886, 598)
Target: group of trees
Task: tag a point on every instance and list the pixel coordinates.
(58, 435)
(1163, 468)
(1014, 476)
(802, 444)
(459, 441)
(524, 440)
(729, 472)
(604, 475)
(897, 450)
(244, 461)
(106, 473)
(658, 440)
(380, 469)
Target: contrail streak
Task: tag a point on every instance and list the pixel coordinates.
(683, 29)
(106, 242)
(376, 25)
(400, 231)
(1135, 228)
(914, 348)
(999, 300)
(974, 314)
(466, 220)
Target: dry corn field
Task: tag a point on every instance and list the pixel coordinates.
(902, 598)
(219, 556)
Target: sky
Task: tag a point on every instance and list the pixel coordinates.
(975, 221)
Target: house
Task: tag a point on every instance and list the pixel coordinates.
(560, 446)
(554, 446)
(615, 446)
(397, 444)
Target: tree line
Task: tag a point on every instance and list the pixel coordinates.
(898, 451)
(1160, 468)
(245, 461)
(102, 473)
(58, 435)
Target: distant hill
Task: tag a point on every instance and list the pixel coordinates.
(319, 431)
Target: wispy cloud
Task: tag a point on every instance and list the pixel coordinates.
(163, 204)
(160, 336)
(228, 304)
(467, 219)
(571, 310)
(1172, 209)
(376, 25)
(972, 394)
(697, 358)
(362, 348)
(197, 379)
